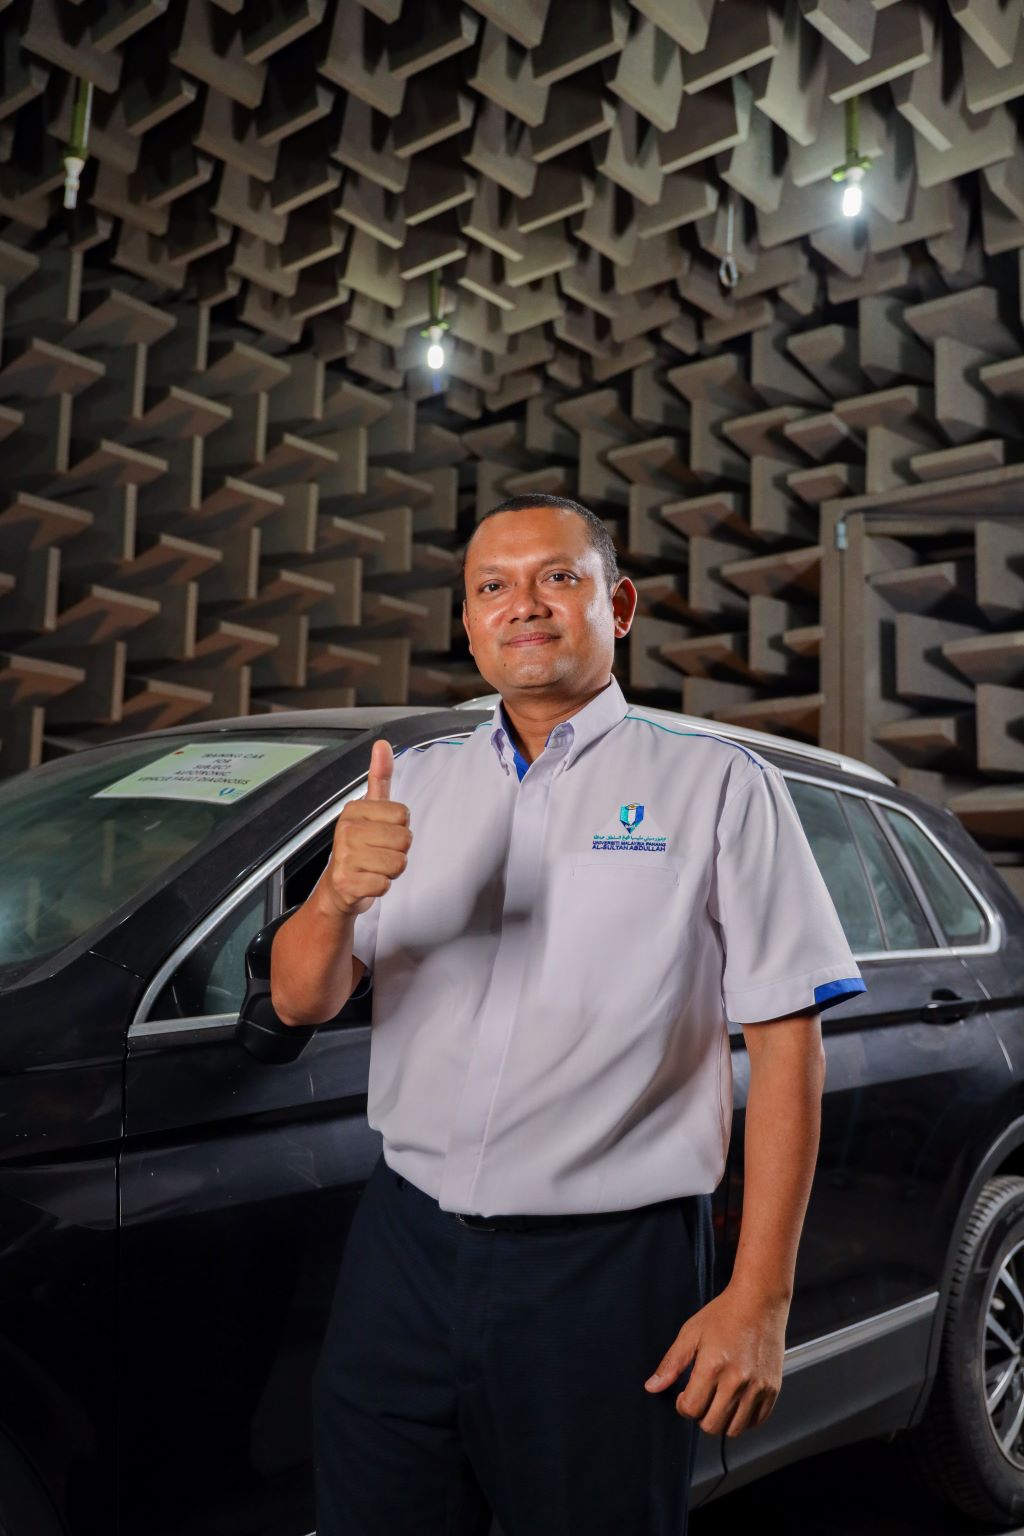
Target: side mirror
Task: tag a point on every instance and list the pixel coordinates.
(259, 1030)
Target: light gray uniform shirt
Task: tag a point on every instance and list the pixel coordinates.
(554, 970)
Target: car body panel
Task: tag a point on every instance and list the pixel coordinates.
(61, 1099)
(238, 1184)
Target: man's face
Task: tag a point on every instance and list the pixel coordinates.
(533, 572)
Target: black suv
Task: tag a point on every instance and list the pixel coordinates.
(174, 1205)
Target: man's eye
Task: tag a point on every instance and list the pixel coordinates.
(554, 573)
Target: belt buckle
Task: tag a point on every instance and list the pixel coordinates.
(475, 1222)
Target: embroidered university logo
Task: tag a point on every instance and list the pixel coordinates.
(623, 835)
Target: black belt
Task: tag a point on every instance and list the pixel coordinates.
(566, 1219)
(513, 1223)
(525, 1223)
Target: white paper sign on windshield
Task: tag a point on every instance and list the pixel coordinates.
(222, 774)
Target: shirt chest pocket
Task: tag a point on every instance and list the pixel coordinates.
(609, 929)
(636, 868)
(612, 894)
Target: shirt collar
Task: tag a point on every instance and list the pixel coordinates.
(588, 724)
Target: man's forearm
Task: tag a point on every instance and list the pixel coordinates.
(782, 1132)
(311, 963)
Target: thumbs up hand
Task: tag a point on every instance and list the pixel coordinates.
(382, 766)
(371, 840)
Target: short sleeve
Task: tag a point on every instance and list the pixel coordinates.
(785, 947)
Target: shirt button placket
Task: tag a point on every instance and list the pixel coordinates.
(501, 1004)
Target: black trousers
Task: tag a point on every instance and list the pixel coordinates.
(467, 1372)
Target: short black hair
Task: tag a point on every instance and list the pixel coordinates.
(597, 534)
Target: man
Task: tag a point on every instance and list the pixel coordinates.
(561, 915)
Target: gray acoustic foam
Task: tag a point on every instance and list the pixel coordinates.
(231, 485)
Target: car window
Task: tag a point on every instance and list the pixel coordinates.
(301, 874)
(903, 917)
(303, 871)
(959, 915)
(211, 978)
(86, 834)
(836, 855)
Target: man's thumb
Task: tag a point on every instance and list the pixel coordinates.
(676, 1361)
(382, 763)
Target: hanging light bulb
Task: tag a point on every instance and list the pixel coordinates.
(853, 197)
(851, 172)
(435, 351)
(436, 356)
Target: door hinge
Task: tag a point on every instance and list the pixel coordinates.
(840, 533)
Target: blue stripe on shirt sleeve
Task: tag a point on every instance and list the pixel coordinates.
(831, 992)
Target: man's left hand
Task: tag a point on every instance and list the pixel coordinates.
(739, 1343)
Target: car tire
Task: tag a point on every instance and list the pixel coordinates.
(954, 1451)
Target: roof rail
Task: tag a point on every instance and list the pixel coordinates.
(739, 733)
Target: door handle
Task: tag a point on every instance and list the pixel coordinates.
(947, 1007)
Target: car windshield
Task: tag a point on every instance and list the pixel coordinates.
(84, 835)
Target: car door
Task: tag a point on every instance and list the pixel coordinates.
(238, 1183)
(977, 911)
(908, 1063)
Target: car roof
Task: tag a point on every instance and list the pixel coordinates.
(370, 717)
